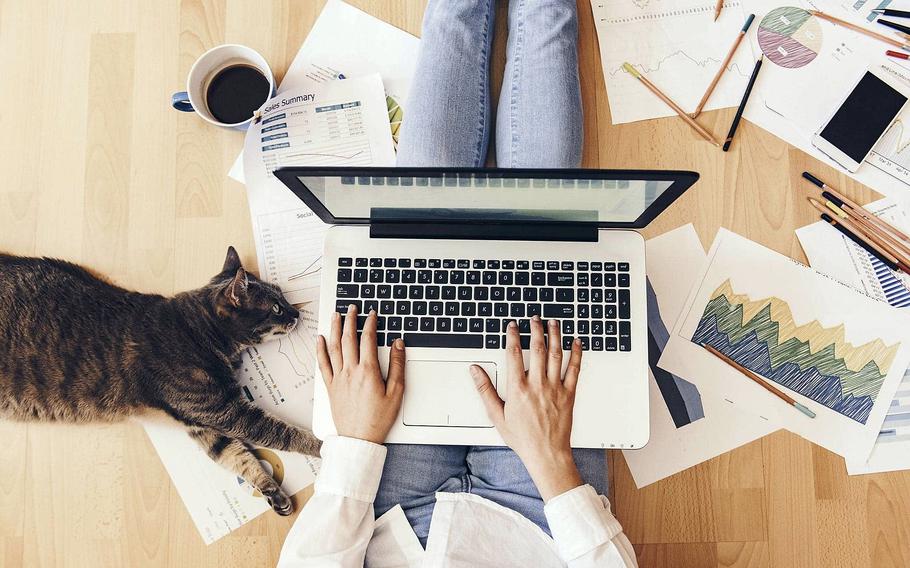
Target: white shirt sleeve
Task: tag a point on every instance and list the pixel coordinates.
(336, 525)
(586, 532)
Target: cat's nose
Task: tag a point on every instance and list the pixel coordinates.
(292, 325)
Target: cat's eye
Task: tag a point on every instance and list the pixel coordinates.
(276, 309)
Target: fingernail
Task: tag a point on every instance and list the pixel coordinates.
(475, 370)
(536, 317)
(577, 341)
(512, 325)
(372, 312)
(553, 323)
(398, 344)
(351, 308)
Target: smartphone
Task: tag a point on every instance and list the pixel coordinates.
(862, 118)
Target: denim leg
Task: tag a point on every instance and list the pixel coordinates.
(498, 474)
(412, 475)
(539, 121)
(447, 116)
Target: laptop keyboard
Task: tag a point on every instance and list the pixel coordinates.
(460, 303)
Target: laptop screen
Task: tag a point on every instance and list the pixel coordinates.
(600, 197)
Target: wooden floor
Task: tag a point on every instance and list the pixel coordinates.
(97, 168)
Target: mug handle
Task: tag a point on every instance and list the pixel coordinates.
(181, 102)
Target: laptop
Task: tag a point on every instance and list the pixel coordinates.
(448, 257)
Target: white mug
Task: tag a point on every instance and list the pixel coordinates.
(206, 68)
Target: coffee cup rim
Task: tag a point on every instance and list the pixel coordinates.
(259, 65)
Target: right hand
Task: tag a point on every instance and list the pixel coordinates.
(536, 418)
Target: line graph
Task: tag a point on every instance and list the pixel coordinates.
(707, 62)
(811, 359)
(892, 153)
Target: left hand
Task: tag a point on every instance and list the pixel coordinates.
(363, 405)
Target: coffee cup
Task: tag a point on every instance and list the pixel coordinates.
(226, 86)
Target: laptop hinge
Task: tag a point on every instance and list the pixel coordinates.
(485, 231)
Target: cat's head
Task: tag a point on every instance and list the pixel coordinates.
(250, 310)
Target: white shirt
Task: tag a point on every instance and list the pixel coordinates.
(337, 526)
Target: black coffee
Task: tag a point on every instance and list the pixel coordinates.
(235, 93)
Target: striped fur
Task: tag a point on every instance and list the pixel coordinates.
(75, 348)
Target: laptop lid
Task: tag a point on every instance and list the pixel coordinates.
(590, 197)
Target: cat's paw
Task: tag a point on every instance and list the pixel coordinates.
(279, 501)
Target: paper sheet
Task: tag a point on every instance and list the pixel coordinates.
(833, 349)
(277, 377)
(688, 425)
(678, 46)
(832, 253)
(345, 42)
(341, 123)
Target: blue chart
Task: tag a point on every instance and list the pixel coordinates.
(896, 292)
(896, 427)
(681, 397)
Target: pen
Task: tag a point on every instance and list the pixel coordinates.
(776, 392)
(742, 104)
(887, 12)
(895, 26)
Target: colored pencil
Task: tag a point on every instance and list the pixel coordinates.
(682, 114)
(718, 8)
(865, 246)
(765, 384)
(723, 66)
(846, 202)
(853, 228)
(742, 104)
(860, 29)
(889, 12)
(894, 26)
(897, 54)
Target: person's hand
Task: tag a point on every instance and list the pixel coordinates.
(363, 406)
(536, 419)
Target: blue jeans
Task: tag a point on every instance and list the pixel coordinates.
(447, 120)
(448, 123)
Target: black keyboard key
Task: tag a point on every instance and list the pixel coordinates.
(424, 276)
(568, 327)
(473, 277)
(610, 344)
(404, 263)
(623, 266)
(394, 324)
(480, 264)
(513, 294)
(567, 265)
(585, 344)
(609, 280)
(500, 309)
(475, 325)
(436, 308)
(368, 291)
(451, 308)
(584, 311)
(376, 275)
(399, 292)
(361, 262)
(508, 265)
(460, 324)
(346, 291)
(624, 280)
(597, 343)
(522, 265)
(420, 263)
(464, 293)
(345, 274)
(609, 328)
(431, 292)
(497, 294)
(380, 338)
(370, 305)
(469, 309)
(624, 304)
(444, 324)
(598, 266)
(341, 306)
(457, 277)
(481, 293)
(517, 310)
(583, 295)
(387, 307)
(448, 263)
(609, 296)
(389, 262)
(419, 308)
(415, 292)
(345, 261)
(597, 311)
(582, 265)
(597, 279)
(360, 275)
(393, 276)
(449, 292)
(409, 276)
(560, 279)
(434, 263)
(583, 327)
(492, 342)
(582, 278)
(565, 295)
(546, 294)
(534, 310)
(505, 278)
(597, 327)
(610, 311)
(529, 294)
(537, 265)
(567, 343)
(560, 311)
(538, 278)
(403, 308)
(411, 324)
(390, 338)
(492, 325)
(485, 309)
(493, 264)
(462, 263)
(525, 341)
(597, 295)
(489, 278)
(522, 278)
(426, 324)
(383, 291)
(524, 326)
(552, 265)
(440, 277)
(375, 262)
(454, 340)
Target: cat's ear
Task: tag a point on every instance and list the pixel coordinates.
(237, 288)
(231, 261)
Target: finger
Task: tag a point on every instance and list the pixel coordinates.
(335, 344)
(349, 348)
(574, 366)
(489, 396)
(325, 363)
(514, 363)
(538, 360)
(554, 351)
(394, 384)
(368, 354)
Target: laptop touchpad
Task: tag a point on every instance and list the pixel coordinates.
(442, 393)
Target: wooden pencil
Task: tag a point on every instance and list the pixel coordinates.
(717, 8)
(765, 384)
(859, 209)
(901, 249)
(860, 29)
(853, 228)
(723, 66)
(682, 114)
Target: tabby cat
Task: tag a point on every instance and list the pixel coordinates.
(74, 348)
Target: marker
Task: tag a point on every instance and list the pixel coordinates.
(897, 54)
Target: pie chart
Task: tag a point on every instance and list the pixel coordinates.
(790, 37)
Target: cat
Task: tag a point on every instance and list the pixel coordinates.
(75, 348)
